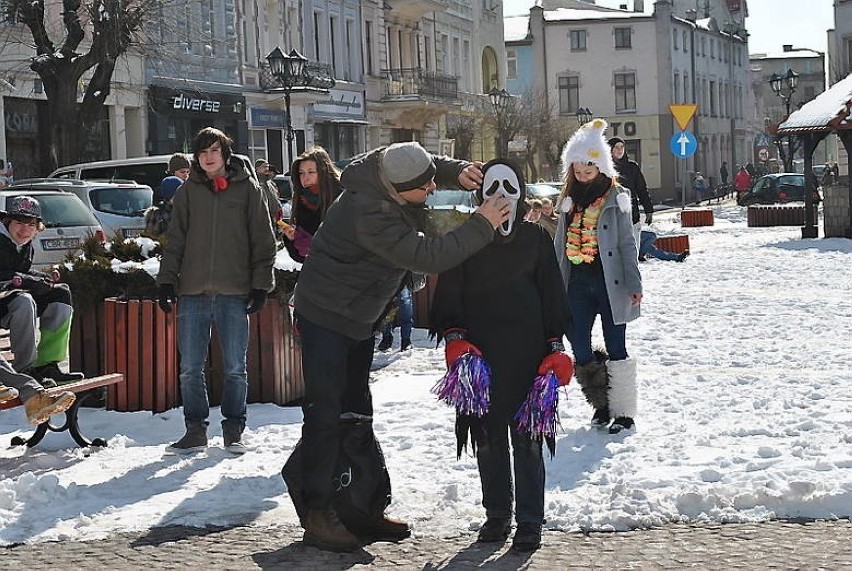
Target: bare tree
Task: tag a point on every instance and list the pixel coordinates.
(462, 129)
(112, 26)
(545, 132)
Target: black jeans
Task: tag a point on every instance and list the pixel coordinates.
(492, 456)
(336, 369)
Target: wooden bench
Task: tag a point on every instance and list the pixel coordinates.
(693, 218)
(84, 389)
(785, 215)
(676, 243)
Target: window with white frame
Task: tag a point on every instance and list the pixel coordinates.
(466, 74)
(677, 88)
(625, 92)
(675, 36)
(511, 64)
(578, 40)
(333, 38)
(623, 38)
(368, 46)
(569, 94)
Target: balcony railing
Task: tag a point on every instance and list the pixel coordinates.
(317, 76)
(416, 83)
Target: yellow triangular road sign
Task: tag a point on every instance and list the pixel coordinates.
(683, 113)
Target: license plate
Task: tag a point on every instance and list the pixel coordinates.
(132, 232)
(60, 243)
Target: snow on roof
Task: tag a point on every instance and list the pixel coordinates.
(589, 14)
(515, 28)
(816, 114)
(798, 53)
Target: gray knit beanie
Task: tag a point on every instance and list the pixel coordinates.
(408, 165)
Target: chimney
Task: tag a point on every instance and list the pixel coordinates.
(638, 5)
(787, 47)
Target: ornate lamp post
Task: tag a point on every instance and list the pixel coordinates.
(784, 87)
(289, 70)
(584, 115)
(500, 101)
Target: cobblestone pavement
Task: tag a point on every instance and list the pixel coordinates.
(774, 545)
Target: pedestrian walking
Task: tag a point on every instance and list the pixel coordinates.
(630, 176)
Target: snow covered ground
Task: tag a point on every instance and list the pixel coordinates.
(745, 415)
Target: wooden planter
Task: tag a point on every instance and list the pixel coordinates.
(139, 340)
(692, 218)
(675, 244)
(764, 215)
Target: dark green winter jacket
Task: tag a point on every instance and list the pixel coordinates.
(369, 240)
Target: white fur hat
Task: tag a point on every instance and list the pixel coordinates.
(588, 145)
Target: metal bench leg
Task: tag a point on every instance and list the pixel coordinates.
(71, 424)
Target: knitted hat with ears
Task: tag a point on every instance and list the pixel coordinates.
(589, 146)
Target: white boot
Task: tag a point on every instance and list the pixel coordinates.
(622, 394)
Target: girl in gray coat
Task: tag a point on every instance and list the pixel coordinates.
(598, 260)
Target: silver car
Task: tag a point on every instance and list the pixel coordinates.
(118, 206)
(67, 223)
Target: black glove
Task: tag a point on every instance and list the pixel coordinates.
(256, 301)
(166, 297)
(649, 217)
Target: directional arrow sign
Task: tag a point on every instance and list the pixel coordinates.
(683, 114)
(683, 144)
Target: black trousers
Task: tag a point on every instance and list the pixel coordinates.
(336, 369)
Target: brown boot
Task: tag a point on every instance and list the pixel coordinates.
(324, 531)
(383, 529)
(7, 393)
(41, 406)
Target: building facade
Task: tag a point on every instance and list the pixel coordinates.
(628, 67)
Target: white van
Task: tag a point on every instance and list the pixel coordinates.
(144, 170)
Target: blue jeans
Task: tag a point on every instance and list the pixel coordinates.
(336, 369)
(647, 248)
(406, 315)
(196, 316)
(587, 298)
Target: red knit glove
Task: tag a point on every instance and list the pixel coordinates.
(559, 362)
(457, 346)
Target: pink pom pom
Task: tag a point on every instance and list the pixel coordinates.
(539, 414)
(466, 386)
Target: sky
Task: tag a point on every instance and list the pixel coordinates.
(745, 414)
(801, 23)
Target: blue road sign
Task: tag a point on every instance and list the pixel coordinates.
(683, 144)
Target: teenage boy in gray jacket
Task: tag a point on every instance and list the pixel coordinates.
(218, 256)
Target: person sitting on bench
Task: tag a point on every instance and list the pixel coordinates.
(39, 406)
(30, 295)
(647, 248)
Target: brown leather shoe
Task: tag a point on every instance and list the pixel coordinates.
(384, 529)
(324, 531)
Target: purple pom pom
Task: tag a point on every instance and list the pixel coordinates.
(539, 414)
(466, 386)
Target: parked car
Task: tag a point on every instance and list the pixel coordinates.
(67, 223)
(446, 199)
(144, 170)
(541, 190)
(118, 206)
(778, 187)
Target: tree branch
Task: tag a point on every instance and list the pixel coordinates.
(31, 14)
(71, 19)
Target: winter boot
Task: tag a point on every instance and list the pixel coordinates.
(494, 530)
(7, 393)
(324, 531)
(232, 437)
(594, 382)
(52, 371)
(404, 344)
(194, 440)
(41, 406)
(622, 394)
(383, 528)
(385, 343)
(527, 537)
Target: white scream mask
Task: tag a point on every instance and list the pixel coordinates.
(501, 180)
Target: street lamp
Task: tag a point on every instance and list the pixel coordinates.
(584, 115)
(500, 101)
(784, 86)
(289, 70)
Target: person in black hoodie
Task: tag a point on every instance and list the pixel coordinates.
(630, 176)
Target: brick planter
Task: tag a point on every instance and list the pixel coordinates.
(788, 215)
(674, 244)
(692, 218)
